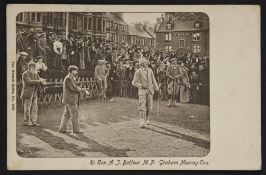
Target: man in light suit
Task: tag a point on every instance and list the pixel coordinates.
(145, 81)
(101, 74)
(31, 82)
(71, 93)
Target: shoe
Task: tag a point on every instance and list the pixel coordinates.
(169, 103)
(64, 132)
(36, 124)
(142, 124)
(78, 132)
(148, 122)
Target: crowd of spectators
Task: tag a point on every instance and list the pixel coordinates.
(52, 51)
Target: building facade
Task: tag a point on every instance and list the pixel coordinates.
(137, 35)
(91, 26)
(116, 28)
(184, 32)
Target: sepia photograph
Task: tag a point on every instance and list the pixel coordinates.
(133, 87)
(97, 84)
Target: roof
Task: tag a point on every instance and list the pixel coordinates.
(181, 26)
(115, 19)
(134, 31)
(150, 30)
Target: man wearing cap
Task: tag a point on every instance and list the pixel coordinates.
(70, 99)
(22, 64)
(19, 42)
(173, 73)
(31, 82)
(101, 73)
(145, 81)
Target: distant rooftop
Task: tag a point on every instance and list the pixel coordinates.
(181, 26)
(133, 30)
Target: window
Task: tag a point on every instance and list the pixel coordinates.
(85, 23)
(75, 22)
(197, 25)
(20, 17)
(169, 26)
(50, 19)
(123, 28)
(104, 26)
(196, 48)
(33, 17)
(168, 37)
(116, 26)
(107, 24)
(99, 25)
(196, 36)
(107, 36)
(168, 48)
(111, 36)
(181, 43)
(111, 24)
(151, 42)
(62, 19)
(89, 23)
(39, 15)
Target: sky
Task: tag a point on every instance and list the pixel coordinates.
(140, 17)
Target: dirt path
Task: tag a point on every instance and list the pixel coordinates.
(112, 129)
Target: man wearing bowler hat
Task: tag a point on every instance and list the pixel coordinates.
(71, 93)
(145, 81)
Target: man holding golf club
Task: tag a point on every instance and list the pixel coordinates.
(145, 81)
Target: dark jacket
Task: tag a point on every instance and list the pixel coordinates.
(30, 84)
(70, 90)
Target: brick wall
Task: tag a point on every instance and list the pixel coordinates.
(187, 37)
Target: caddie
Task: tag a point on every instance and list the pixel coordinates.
(145, 81)
(173, 84)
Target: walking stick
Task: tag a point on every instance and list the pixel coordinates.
(159, 99)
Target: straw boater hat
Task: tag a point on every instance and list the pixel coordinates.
(101, 61)
(23, 53)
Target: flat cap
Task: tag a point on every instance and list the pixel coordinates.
(72, 67)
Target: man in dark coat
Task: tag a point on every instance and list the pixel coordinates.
(19, 42)
(93, 61)
(203, 77)
(70, 48)
(31, 82)
(71, 93)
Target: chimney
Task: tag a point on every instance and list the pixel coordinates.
(139, 26)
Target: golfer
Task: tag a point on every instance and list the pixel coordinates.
(145, 81)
